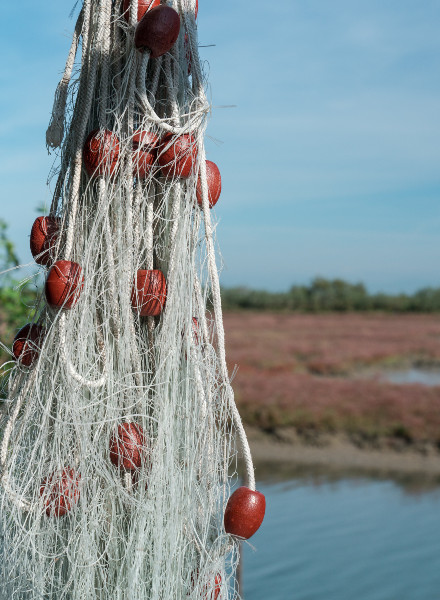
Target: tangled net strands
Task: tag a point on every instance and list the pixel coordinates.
(121, 422)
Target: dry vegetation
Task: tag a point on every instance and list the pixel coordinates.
(305, 371)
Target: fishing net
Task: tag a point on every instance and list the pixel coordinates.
(119, 439)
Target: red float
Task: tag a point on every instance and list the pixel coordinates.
(214, 180)
(144, 153)
(101, 152)
(195, 330)
(60, 492)
(127, 447)
(44, 234)
(27, 343)
(64, 284)
(158, 30)
(149, 293)
(143, 7)
(177, 155)
(244, 512)
(210, 593)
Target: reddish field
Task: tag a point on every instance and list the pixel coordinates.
(301, 371)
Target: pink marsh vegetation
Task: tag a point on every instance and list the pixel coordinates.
(303, 371)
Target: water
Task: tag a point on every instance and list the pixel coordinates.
(349, 540)
(413, 375)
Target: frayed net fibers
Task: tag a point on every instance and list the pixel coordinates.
(75, 524)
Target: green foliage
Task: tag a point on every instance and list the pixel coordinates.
(324, 295)
(8, 257)
(16, 300)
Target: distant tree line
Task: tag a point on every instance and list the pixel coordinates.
(329, 295)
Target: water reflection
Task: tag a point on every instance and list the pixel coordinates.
(318, 475)
(346, 538)
(429, 377)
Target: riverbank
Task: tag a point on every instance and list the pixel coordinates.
(286, 454)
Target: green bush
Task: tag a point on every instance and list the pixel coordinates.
(17, 299)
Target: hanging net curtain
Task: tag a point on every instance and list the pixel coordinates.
(121, 428)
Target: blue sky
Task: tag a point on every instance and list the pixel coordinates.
(330, 160)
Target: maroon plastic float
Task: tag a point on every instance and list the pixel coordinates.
(149, 292)
(101, 152)
(60, 492)
(27, 343)
(177, 155)
(44, 235)
(64, 284)
(244, 512)
(157, 31)
(144, 152)
(214, 180)
(126, 447)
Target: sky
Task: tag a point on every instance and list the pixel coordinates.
(330, 155)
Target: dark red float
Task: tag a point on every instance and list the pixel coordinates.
(44, 234)
(101, 152)
(27, 343)
(64, 284)
(149, 293)
(214, 180)
(158, 30)
(144, 152)
(177, 155)
(143, 7)
(244, 512)
(127, 447)
(60, 492)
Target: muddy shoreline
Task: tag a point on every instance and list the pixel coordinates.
(285, 452)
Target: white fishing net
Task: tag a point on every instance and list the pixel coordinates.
(75, 525)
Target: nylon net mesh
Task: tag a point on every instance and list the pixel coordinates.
(78, 522)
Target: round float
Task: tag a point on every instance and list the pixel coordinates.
(214, 181)
(158, 31)
(27, 343)
(149, 293)
(44, 235)
(126, 446)
(64, 284)
(177, 155)
(60, 492)
(101, 152)
(244, 512)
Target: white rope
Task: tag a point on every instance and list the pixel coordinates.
(77, 161)
(216, 298)
(16, 499)
(71, 369)
(55, 131)
(192, 118)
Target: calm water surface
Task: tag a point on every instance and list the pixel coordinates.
(414, 375)
(349, 540)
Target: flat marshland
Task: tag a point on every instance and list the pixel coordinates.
(308, 379)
